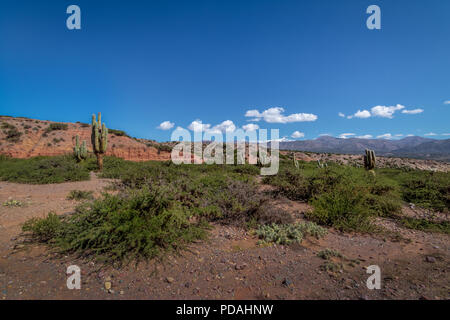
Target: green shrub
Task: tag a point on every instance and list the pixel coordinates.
(44, 229)
(288, 233)
(327, 254)
(119, 133)
(342, 208)
(427, 189)
(139, 224)
(426, 225)
(56, 126)
(80, 195)
(43, 170)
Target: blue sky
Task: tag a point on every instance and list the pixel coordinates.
(303, 62)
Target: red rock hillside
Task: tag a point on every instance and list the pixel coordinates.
(24, 138)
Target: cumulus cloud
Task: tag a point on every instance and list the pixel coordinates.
(413, 111)
(399, 135)
(362, 114)
(297, 134)
(166, 125)
(198, 126)
(385, 136)
(275, 115)
(446, 134)
(250, 127)
(340, 114)
(346, 135)
(366, 136)
(430, 134)
(447, 102)
(224, 127)
(385, 112)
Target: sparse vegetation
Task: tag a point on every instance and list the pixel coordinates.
(12, 134)
(80, 195)
(329, 253)
(288, 233)
(426, 225)
(56, 126)
(118, 133)
(13, 203)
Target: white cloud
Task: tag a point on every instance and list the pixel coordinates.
(430, 134)
(325, 135)
(297, 134)
(224, 127)
(414, 111)
(340, 114)
(385, 112)
(250, 127)
(166, 125)
(382, 111)
(283, 139)
(446, 134)
(398, 135)
(198, 126)
(275, 115)
(447, 102)
(385, 136)
(366, 136)
(410, 135)
(346, 135)
(362, 114)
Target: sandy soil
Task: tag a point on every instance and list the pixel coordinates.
(229, 265)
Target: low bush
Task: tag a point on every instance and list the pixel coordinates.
(139, 224)
(56, 126)
(327, 254)
(288, 233)
(43, 170)
(119, 133)
(426, 225)
(80, 195)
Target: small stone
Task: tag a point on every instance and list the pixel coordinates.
(240, 266)
(170, 279)
(286, 282)
(108, 285)
(430, 259)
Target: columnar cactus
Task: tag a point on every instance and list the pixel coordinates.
(296, 162)
(99, 138)
(80, 152)
(369, 160)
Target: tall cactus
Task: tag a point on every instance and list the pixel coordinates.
(369, 160)
(295, 162)
(80, 152)
(99, 138)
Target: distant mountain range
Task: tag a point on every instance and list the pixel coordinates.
(411, 147)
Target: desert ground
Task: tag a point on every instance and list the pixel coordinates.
(228, 265)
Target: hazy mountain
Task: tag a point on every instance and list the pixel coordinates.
(414, 147)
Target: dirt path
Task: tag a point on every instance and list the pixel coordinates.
(230, 265)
